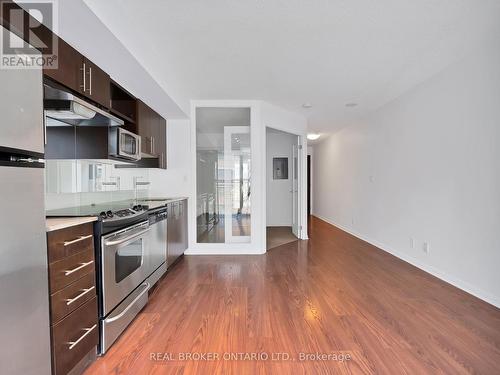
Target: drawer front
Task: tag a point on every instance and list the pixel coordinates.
(70, 269)
(74, 337)
(69, 241)
(73, 296)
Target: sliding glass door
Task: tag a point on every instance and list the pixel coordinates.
(223, 175)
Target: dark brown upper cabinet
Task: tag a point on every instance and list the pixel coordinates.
(153, 131)
(123, 104)
(69, 63)
(80, 74)
(95, 83)
(160, 136)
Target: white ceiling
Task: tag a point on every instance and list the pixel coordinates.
(288, 52)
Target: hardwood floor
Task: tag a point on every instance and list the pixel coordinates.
(277, 236)
(216, 233)
(333, 294)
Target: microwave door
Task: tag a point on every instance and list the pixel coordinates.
(129, 145)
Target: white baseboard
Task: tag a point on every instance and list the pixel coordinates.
(465, 286)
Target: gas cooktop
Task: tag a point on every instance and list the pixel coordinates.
(104, 211)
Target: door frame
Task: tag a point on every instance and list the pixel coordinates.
(302, 180)
(257, 244)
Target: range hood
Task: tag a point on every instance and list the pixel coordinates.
(64, 107)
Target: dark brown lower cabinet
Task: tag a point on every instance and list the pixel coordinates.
(74, 337)
(73, 299)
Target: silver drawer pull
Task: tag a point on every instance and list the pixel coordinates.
(81, 238)
(72, 344)
(82, 265)
(84, 291)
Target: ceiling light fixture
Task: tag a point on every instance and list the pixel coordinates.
(313, 136)
(351, 104)
(307, 105)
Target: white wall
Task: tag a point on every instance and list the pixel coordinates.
(426, 166)
(175, 180)
(279, 198)
(262, 115)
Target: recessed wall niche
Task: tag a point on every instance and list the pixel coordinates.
(280, 168)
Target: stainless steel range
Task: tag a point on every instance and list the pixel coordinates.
(126, 263)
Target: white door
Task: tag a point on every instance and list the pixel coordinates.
(295, 187)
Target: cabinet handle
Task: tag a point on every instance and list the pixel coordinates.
(82, 265)
(81, 238)
(44, 130)
(72, 344)
(84, 291)
(90, 81)
(84, 86)
(153, 145)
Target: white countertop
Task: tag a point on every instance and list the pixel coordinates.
(56, 223)
(159, 202)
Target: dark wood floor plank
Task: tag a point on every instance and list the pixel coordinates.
(331, 294)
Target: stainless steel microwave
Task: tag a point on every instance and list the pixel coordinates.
(124, 144)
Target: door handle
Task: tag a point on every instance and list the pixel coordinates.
(90, 80)
(81, 238)
(84, 86)
(44, 130)
(72, 344)
(82, 265)
(117, 242)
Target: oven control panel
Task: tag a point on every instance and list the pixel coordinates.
(137, 210)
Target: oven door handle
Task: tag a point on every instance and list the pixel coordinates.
(110, 320)
(131, 237)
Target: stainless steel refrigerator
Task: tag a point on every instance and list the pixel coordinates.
(24, 301)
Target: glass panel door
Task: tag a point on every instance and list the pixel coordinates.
(237, 159)
(223, 175)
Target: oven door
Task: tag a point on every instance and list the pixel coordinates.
(129, 145)
(125, 263)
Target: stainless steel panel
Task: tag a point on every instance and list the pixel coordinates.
(156, 275)
(115, 291)
(157, 244)
(177, 231)
(21, 107)
(24, 296)
(65, 107)
(120, 318)
(122, 135)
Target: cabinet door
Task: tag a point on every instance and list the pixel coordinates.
(98, 84)
(69, 70)
(160, 141)
(144, 127)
